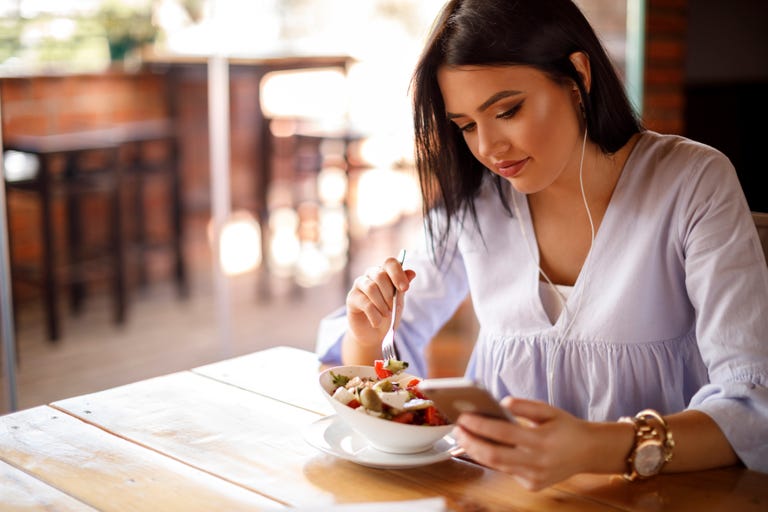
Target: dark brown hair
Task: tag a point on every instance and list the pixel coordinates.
(538, 33)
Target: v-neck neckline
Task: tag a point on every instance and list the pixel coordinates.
(537, 273)
(578, 285)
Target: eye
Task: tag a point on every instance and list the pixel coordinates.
(468, 127)
(507, 114)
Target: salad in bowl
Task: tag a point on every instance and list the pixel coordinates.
(383, 404)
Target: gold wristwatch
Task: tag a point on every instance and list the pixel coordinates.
(652, 447)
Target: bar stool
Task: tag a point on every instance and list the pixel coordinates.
(72, 165)
(317, 100)
(304, 112)
(298, 157)
(142, 164)
(102, 162)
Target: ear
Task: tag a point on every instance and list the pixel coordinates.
(580, 61)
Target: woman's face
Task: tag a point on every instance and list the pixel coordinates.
(516, 121)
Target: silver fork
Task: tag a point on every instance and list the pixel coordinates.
(388, 348)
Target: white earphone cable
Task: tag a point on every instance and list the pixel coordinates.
(591, 227)
(561, 298)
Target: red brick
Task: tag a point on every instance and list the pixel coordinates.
(15, 89)
(674, 126)
(665, 100)
(666, 50)
(666, 5)
(666, 23)
(46, 87)
(24, 121)
(664, 75)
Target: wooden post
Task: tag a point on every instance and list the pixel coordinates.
(6, 299)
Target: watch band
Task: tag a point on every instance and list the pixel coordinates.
(650, 429)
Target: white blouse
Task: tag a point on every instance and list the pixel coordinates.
(553, 297)
(670, 310)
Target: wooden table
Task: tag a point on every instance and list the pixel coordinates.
(229, 436)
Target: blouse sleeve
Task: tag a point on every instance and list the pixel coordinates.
(434, 296)
(727, 281)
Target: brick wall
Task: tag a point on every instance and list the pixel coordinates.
(43, 105)
(664, 82)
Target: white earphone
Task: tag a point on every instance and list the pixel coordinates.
(562, 300)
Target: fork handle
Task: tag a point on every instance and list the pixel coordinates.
(401, 259)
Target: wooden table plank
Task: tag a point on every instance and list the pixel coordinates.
(258, 443)
(717, 490)
(733, 489)
(109, 473)
(284, 373)
(243, 436)
(24, 493)
(465, 486)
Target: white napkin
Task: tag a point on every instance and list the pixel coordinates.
(422, 505)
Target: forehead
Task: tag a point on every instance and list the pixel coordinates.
(464, 88)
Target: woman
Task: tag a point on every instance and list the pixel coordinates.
(616, 274)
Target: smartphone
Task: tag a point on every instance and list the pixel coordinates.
(455, 395)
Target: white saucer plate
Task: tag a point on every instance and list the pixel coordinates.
(336, 438)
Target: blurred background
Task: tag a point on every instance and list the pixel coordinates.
(190, 180)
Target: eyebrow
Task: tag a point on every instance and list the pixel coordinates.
(490, 101)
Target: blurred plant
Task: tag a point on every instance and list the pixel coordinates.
(194, 8)
(10, 37)
(128, 26)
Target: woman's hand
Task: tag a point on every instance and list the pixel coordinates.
(546, 446)
(369, 309)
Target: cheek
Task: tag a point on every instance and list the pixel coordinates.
(546, 121)
(551, 125)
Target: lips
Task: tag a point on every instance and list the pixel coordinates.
(510, 168)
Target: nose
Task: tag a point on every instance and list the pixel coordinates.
(490, 142)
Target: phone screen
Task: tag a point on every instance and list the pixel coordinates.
(453, 396)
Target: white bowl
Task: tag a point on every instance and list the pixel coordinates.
(385, 435)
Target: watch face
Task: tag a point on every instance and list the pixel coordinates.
(649, 458)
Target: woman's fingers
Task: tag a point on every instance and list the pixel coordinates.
(397, 275)
(533, 410)
(490, 452)
(492, 429)
(367, 297)
(372, 292)
(545, 445)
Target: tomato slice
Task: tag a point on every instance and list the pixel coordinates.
(404, 417)
(433, 417)
(353, 403)
(413, 388)
(381, 372)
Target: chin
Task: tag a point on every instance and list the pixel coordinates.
(523, 186)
